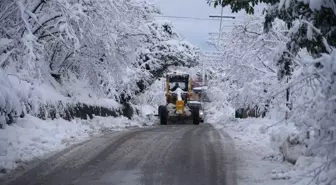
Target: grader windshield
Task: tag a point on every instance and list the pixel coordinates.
(180, 81)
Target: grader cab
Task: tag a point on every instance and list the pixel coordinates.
(178, 92)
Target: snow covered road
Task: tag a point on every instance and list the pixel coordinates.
(173, 154)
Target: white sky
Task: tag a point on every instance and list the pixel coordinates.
(196, 31)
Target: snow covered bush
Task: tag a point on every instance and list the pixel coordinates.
(10, 104)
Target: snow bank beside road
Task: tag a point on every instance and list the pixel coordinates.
(31, 137)
(258, 143)
(257, 162)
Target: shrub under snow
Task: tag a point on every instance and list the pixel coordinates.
(10, 104)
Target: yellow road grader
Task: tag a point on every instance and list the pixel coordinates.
(180, 103)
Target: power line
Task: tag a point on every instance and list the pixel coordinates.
(185, 17)
(222, 16)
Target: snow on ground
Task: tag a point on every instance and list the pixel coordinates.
(32, 138)
(257, 162)
(257, 144)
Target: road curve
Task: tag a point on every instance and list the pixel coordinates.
(173, 154)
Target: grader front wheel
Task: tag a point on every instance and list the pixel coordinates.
(163, 114)
(195, 116)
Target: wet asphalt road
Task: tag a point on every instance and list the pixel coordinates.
(173, 154)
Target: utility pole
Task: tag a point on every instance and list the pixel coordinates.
(220, 27)
(221, 16)
(220, 23)
(203, 75)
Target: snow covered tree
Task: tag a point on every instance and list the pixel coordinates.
(246, 64)
(305, 68)
(163, 48)
(112, 49)
(312, 24)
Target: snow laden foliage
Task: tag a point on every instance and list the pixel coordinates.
(295, 79)
(163, 48)
(307, 72)
(10, 106)
(245, 68)
(86, 51)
